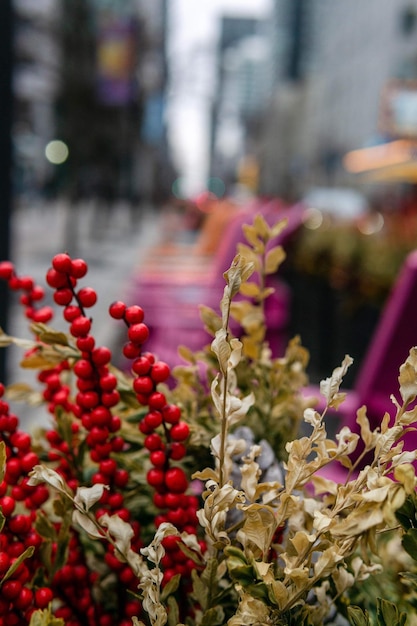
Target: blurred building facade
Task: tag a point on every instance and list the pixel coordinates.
(92, 74)
(243, 89)
(332, 62)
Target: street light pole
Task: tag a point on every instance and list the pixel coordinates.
(6, 57)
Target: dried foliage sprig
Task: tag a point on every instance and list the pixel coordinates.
(204, 504)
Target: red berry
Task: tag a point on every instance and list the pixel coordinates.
(79, 268)
(39, 496)
(117, 444)
(159, 500)
(37, 293)
(160, 371)
(71, 312)
(63, 296)
(158, 458)
(155, 477)
(13, 467)
(176, 480)
(121, 478)
(171, 413)
(131, 350)
(24, 600)
(20, 524)
(87, 297)
(43, 596)
(144, 428)
(157, 400)
(62, 263)
(80, 327)
(6, 270)
(138, 333)
(143, 385)
(171, 542)
(26, 283)
(97, 434)
(115, 424)
(153, 442)
(20, 440)
(176, 516)
(43, 315)
(14, 283)
(108, 382)
(150, 357)
(83, 369)
(11, 589)
(141, 366)
(56, 279)
(86, 344)
(117, 310)
(153, 419)
(4, 563)
(88, 399)
(177, 451)
(115, 500)
(101, 356)
(173, 500)
(180, 431)
(28, 461)
(108, 467)
(134, 314)
(110, 398)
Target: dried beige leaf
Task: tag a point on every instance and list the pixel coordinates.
(274, 258)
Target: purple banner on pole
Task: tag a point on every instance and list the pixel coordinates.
(116, 60)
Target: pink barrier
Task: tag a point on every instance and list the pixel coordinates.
(171, 300)
(377, 379)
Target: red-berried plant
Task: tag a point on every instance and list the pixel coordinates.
(198, 503)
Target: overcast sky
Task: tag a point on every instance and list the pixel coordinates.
(193, 27)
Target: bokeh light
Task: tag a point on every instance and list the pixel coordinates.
(56, 152)
(217, 186)
(313, 218)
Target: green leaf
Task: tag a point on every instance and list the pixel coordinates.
(409, 542)
(173, 612)
(210, 582)
(48, 335)
(44, 527)
(171, 587)
(200, 590)
(388, 614)
(213, 617)
(358, 617)
(25, 555)
(407, 513)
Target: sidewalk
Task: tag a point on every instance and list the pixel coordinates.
(113, 251)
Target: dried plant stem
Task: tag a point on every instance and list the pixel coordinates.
(223, 434)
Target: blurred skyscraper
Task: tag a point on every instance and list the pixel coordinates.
(92, 74)
(333, 61)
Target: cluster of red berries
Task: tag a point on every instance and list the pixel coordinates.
(32, 293)
(95, 429)
(165, 436)
(19, 502)
(92, 405)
